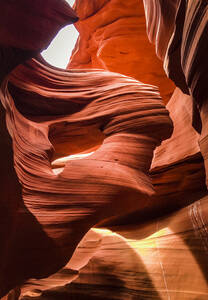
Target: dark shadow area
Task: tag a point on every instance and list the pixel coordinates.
(26, 251)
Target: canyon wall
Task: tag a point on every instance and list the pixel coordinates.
(113, 37)
(157, 236)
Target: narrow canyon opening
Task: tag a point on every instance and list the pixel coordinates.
(59, 51)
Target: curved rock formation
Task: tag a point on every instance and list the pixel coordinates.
(185, 56)
(46, 107)
(32, 25)
(17, 44)
(53, 113)
(186, 61)
(160, 22)
(113, 37)
(27, 27)
(178, 167)
(187, 53)
(177, 170)
(153, 260)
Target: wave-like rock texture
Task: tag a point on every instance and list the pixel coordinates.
(113, 37)
(16, 46)
(51, 112)
(160, 260)
(177, 170)
(185, 53)
(186, 61)
(160, 21)
(24, 31)
(184, 137)
(178, 167)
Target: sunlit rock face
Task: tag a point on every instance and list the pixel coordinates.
(180, 38)
(177, 170)
(48, 107)
(53, 113)
(186, 53)
(160, 21)
(113, 37)
(163, 259)
(186, 62)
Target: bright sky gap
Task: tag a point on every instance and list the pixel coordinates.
(59, 51)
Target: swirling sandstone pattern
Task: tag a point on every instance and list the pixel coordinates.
(160, 22)
(53, 113)
(113, 37)
(155, 260)
(186, 61)
(184, 53)
(20, 39)
(178, 167)
(177, 170)
(188, 47)
(47, 106)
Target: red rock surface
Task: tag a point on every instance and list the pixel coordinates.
(53, 113)
(186, 58)
(186, 62)
(47, 106)
(152, 261)
(12, 35)
(178, 167)
(113, 37)
(162, 259)
(31, 25)
(177, 170)
(160, 22)
(185, 55)
(184, 138)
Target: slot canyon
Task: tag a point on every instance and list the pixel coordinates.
(104, 164)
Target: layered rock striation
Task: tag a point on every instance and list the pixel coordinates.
(162, 259)
(51, 113)
(184, 53)
(18, 43)
(178, 166)
(49, 204)
(47, 106)
(112, 36)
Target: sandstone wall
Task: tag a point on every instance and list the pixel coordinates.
(157, 256)
(113, 37)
